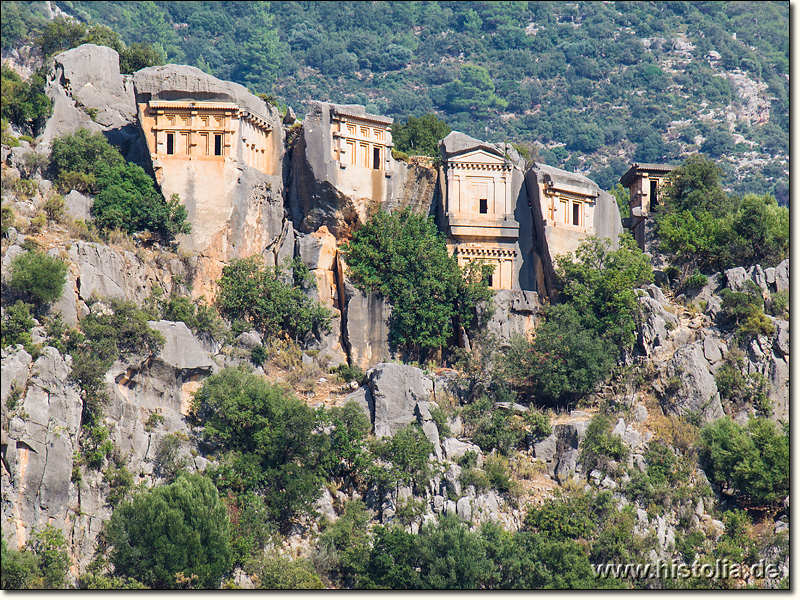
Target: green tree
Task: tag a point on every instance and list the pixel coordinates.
(269, 440)
(24, 102)
(750, 462)
(181, 528)
(251, 290)
(404, 258)
(38, 277)
(601, 284)
(407, 451)
(19, 568)
(420, 135)
(563, 363)
(17, 324)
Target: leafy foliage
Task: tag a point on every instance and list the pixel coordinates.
(179, 528)
(126, 196)
(403, 257)
(407, 451)
(420, 135)
(251, 290)
(24, 103)
(43, 564)
(601, 446)
(17, 324)
(38, 277)
(702, 229)
(750, 462)
(745, 311)
(268, 438)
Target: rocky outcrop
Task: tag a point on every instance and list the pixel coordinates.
(516, 312)
(550, 237)
(38, 451)
(365, 331)
(325, 192)
(689, 387)
(396, 390)
(86, 80)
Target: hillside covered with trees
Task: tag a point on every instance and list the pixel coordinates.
(592, 86)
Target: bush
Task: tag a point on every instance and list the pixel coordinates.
(8, 218)
(751, 462)
(251, 290)
(741, 388)
(404, 258)
(564, 362)
(348, 540)
(17, 324)
(745, 310)
(127, 198)
(181, 528)
(408, 452)
(349, 373)
(277, 572)
(24, 103)
(54, 207)
(38, 277)
(600, 446)
(499, 430)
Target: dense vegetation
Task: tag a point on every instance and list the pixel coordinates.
(271, 299)
(171, 536)
(404, 258)
(594, 324)
(703, 229)
(126, 197)
(585, 81)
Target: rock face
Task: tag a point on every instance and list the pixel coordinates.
(516, 312)
(689, 386)
(365, 333)
(396, 390)
(87, 78)
(234, 199)
(38, 452)
(330, 189)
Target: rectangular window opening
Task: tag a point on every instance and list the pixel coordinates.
(484, 208)
(576, 214)
(376, 158)
(218, 145)
(170, 143)
(654, 193)
(489, 280)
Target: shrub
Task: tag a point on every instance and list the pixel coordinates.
(499, 430)
(258, 355)
(440, 418)
(538, 424)
(167, 462)
(277, 572)
(348, 540)
(600, 446)
(179, 528)
(408, 452)
(17, 324)
(38, 277)
(564, 362)
(8, 218)
(778, 304)
(404, 258)
(54, 207)
(745, 310)
(126, 196)
(251, 290)
(349, 373)
(740, 388)
(749, 462)
(24, 102)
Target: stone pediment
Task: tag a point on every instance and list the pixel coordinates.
(479, 156)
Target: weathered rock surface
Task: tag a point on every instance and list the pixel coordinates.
(516, 313)
(78, 206)
(87, 78)
(690, 387)
(395, 391)
(365, 333)
(38, 451)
